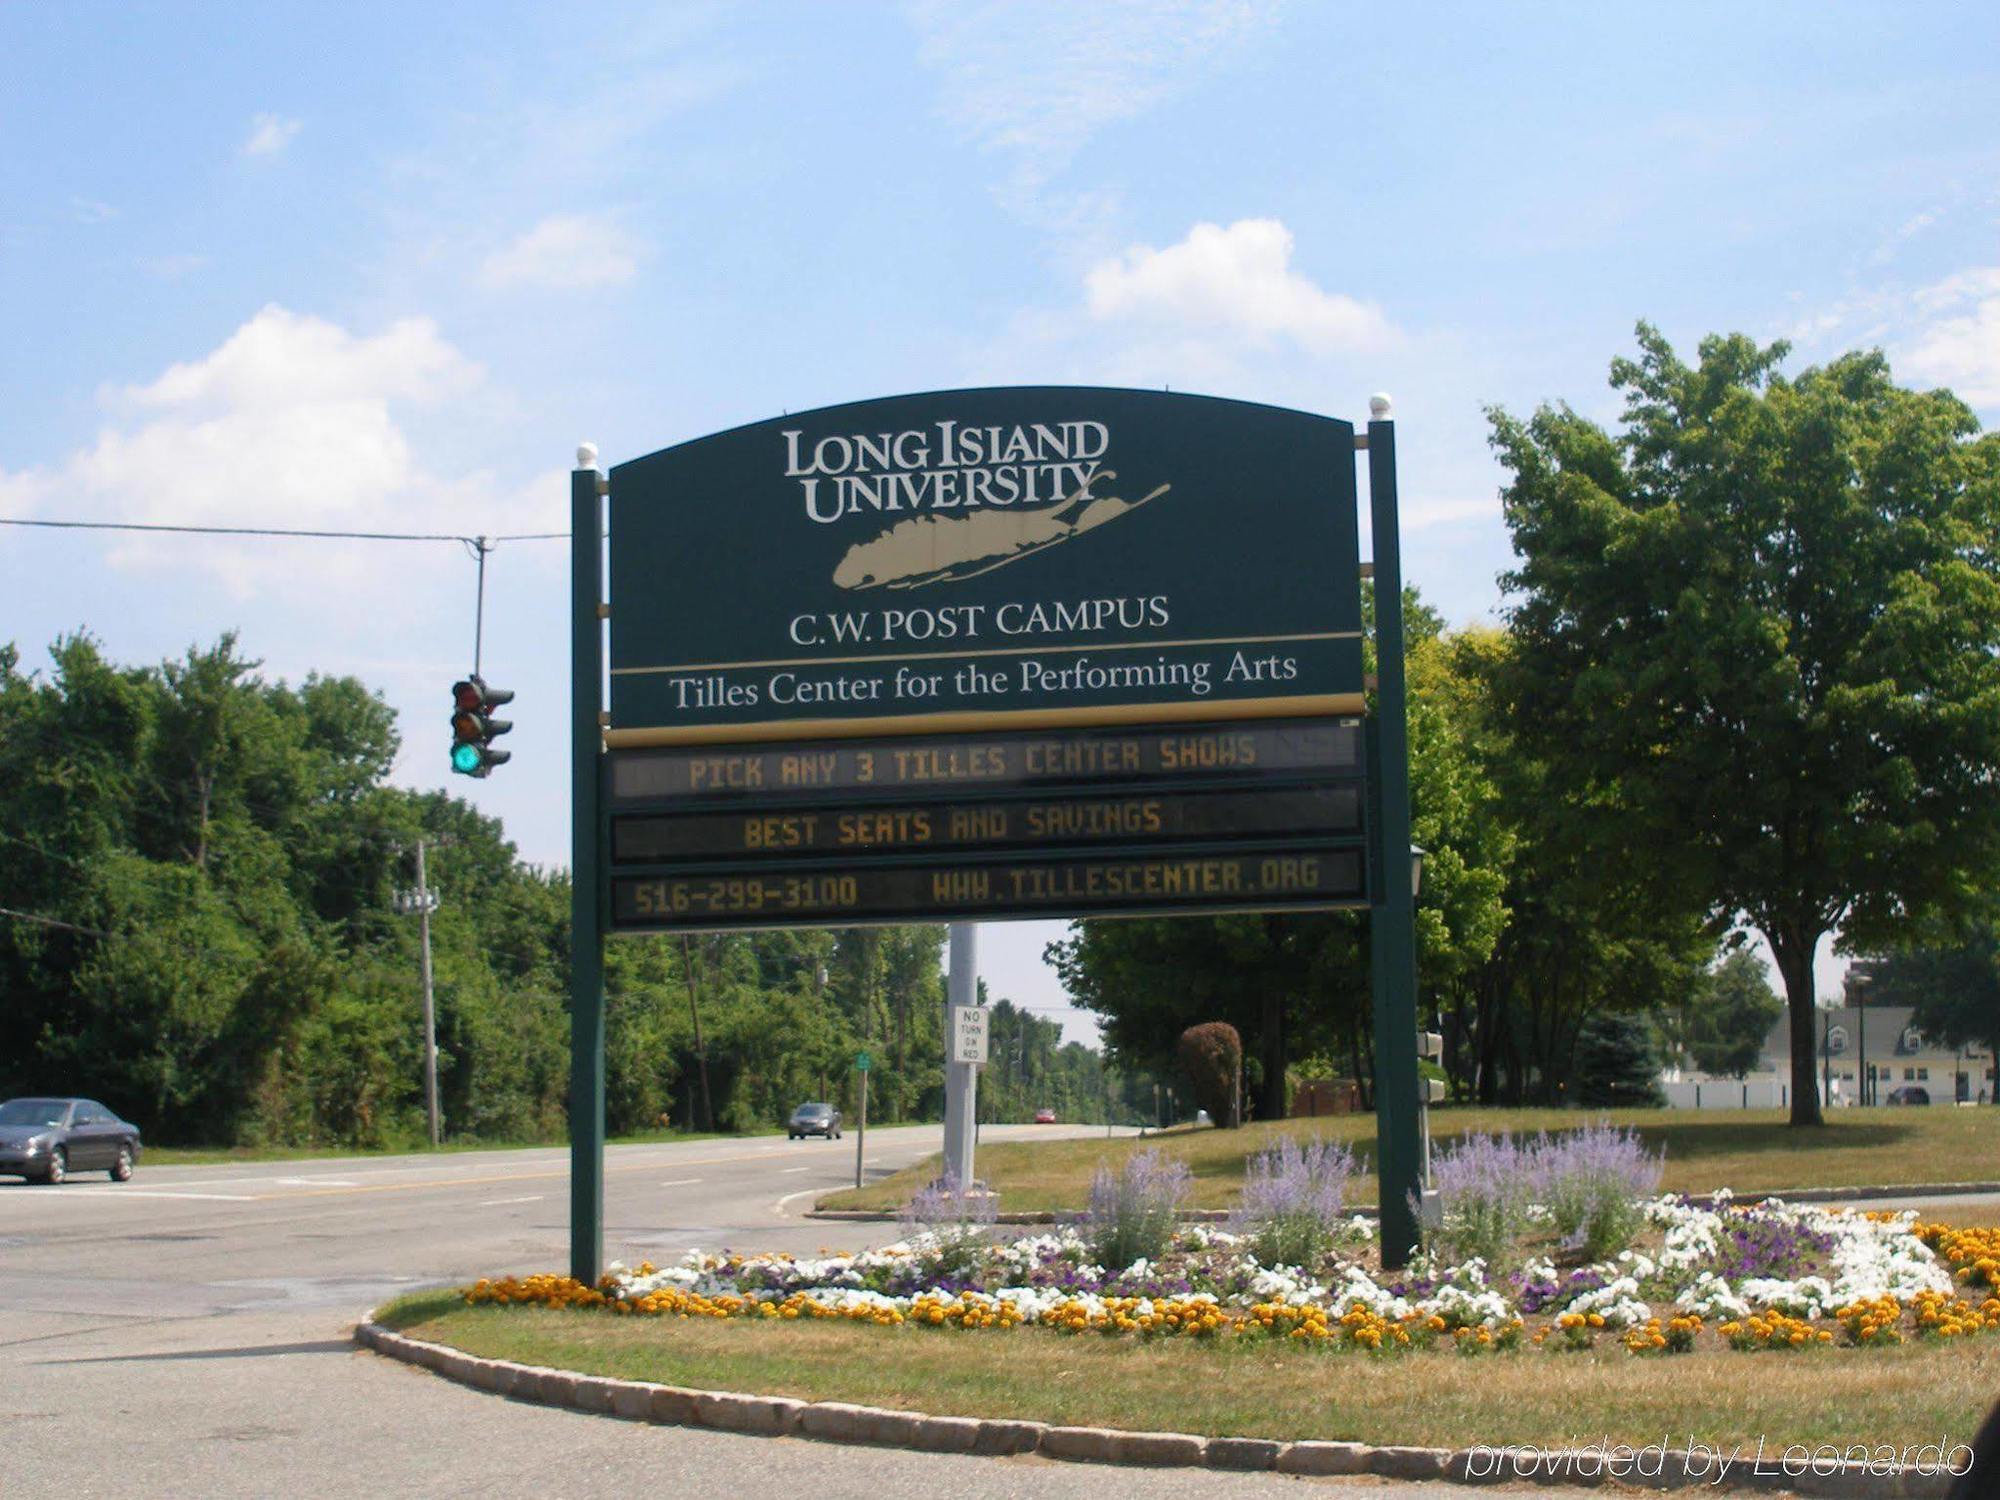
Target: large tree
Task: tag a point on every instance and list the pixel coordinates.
(1758, 636)
(1728, 1016)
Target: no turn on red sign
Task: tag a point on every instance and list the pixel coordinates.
(968, 1034)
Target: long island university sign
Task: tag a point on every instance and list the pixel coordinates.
(974, 559)
(987, 654)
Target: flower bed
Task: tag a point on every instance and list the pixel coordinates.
(1773, 1277)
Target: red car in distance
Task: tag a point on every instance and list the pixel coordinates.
(1045, 1117)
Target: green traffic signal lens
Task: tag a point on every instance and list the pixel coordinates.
(465, 758)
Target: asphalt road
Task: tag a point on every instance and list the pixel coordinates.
(186, 1334)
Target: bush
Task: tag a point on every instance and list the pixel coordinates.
(952, 1221)
(1594, 1182)
(1484, 1189)
(1211, 1055)
(1133, 1213)
(1292, 1196)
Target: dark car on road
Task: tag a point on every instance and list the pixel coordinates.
(814, 1119)
(1908, 1094)
(48, 1139)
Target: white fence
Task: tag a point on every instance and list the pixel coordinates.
(1750, 1093)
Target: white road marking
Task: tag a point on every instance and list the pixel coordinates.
(496, 1202)
(785, 1213)
(789, 1170)
(681, 1182)
(127, 1192)
(315, 1182)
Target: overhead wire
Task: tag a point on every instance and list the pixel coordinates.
(39, 920)
(282, 531)
(476, 546)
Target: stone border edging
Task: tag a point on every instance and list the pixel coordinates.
(1221, 1215)
(843, 1422)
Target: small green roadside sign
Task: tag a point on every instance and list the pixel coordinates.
(861, 1062)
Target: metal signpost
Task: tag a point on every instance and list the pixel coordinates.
(988, 654)
(861, 1062)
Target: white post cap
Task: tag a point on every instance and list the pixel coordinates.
(586, 455)
(1379, 406)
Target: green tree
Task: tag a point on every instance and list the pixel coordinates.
(1758, 642)
(1295, 986)
(1617, 1063)
(1581, 936)
(1953, 984)
(1728, 1015)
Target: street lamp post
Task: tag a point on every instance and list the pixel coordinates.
(421, 902)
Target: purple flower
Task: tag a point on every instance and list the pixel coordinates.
(1484, 1189)
(1292, 1196)
(1757, 1244)
(1594, 1182)
(1133, 1212)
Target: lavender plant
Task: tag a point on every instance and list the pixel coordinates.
(1132, 1213)
(1483, 1192)
(950, 1219)
(1594, 1182)
(1292, 1196)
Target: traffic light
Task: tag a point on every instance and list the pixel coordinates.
(473, 727)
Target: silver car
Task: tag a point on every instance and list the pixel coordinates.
(47, 1139)
(814, 1119)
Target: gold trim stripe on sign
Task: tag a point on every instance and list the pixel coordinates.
(976, 723)
(844, 661)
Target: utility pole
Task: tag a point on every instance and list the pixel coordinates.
(700, 1052)
(961, 1085)
(423, 901)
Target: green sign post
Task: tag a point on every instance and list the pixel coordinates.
(1047, 651)
(861, 1062)
(1392, 925)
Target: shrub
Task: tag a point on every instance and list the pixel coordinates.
(1292, 1196)
(1211, 1055)
(1594, 1182)
(953, 1220)
(1133, 1212)
(1484, 1190)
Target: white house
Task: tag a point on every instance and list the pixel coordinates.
(1869, 1054)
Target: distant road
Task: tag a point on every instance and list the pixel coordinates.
(186, 1334)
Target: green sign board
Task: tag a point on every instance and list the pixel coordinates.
(862, 1062)
(1023, 557)
(1038, 652)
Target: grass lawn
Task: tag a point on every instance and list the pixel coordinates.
(1747, 1151)
(191, 1156)
(1905, 1395)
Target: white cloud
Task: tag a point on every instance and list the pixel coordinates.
(1035, 79)
(291, 422)
(565, 252)
(269, 135)
(91, 211)
(1235, 283)
(1959, 346)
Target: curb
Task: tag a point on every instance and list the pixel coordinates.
(843, 1422)
(1221, 1215)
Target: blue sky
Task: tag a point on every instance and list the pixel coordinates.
(381, 267)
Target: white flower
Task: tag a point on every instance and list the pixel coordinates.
(1710, 1296)
(1617, 1302)
(1462, 1307)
